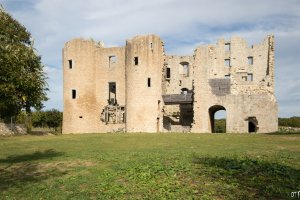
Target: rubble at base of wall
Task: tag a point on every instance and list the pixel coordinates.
(12, 129)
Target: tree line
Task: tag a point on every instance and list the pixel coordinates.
(289, 122)
(44, 119)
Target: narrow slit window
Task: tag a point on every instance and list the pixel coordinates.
(70, 64)
(250, 77)
(250, 60)
(149, 82)
(168, 72)
(136, 60)
(227, 47)
(227, 62)
(73, 94)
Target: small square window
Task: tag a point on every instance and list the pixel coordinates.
(136, 60)
(73, 94)
(250, 60)
(70, 64)
(227, 47)
(227, 62)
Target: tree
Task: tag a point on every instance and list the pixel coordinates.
(22, 80)
(53, 118)
(38, 119)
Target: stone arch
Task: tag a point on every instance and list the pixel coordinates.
(212, 111)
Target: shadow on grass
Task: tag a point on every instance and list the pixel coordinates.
(49, 153)
(20, 169)
(253, 177)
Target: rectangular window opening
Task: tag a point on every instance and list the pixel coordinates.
(244, 78)
(227, 62)
(227, 47)
(149, 82)
(168, 72)
(250, 60)
(227, 76)
(73, 94)
(70, 64)
(250, 77)
(112, 60)
(136, 60)
(112, 97)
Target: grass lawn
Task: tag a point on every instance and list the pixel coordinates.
(150, 166)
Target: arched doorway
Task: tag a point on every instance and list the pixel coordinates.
(217, 114)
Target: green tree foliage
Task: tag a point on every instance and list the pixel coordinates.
(38, 119)
(22, 80)
(290, 122)
(53, 118)
(50, 118)
(220, 126)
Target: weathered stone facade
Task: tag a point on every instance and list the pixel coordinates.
(137, 88)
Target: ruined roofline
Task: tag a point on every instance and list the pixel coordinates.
(100, 44)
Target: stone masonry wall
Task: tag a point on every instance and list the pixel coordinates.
(230, 75)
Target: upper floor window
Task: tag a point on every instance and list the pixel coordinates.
(70, 64)
(227, 63)
(250, 77)
(136, 60)
(250, 60)
(112, 60)
(227, 47)
(168, 74)
(184, 70)
(73, 94)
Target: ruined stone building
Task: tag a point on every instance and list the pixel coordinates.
(139, 88)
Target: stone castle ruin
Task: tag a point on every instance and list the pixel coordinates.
(138, 88)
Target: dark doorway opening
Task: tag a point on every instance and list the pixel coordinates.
(252, 125)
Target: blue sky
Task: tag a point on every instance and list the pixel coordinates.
(182, 24)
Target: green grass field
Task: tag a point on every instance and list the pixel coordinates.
(150, 166)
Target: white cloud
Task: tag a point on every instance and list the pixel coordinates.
(183, 25)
